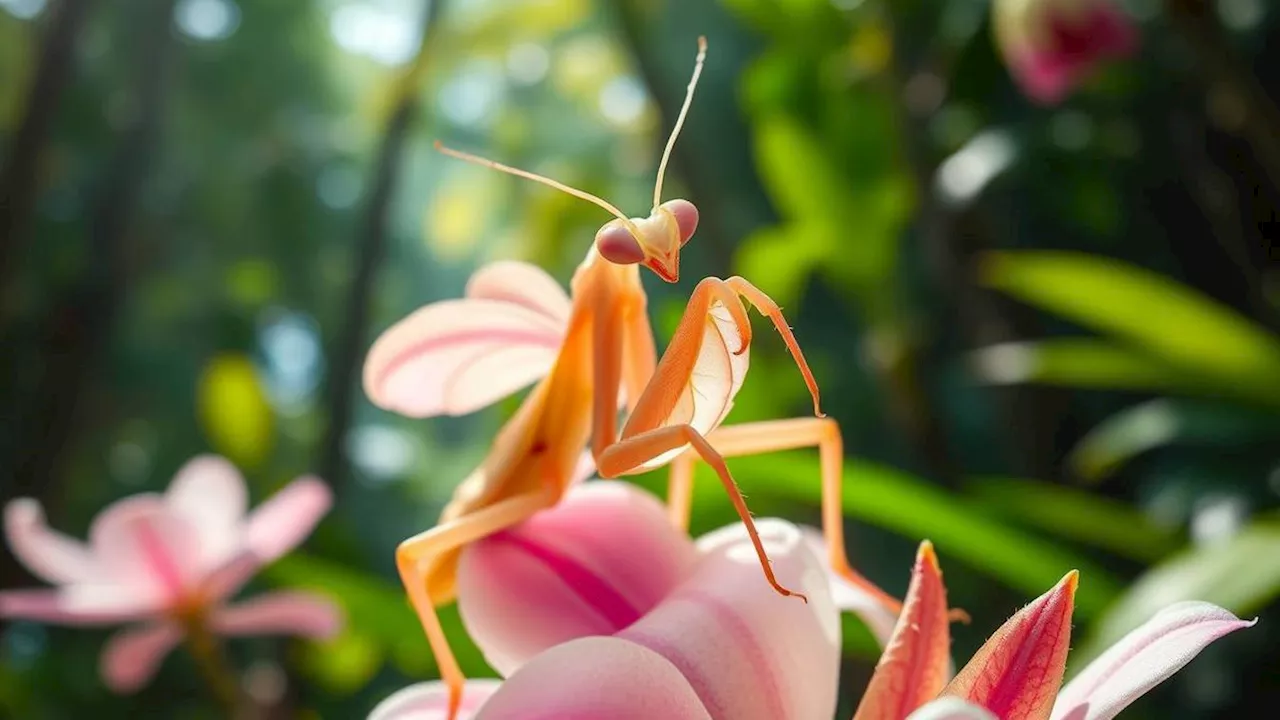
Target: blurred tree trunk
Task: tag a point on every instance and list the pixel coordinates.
(951, 241)
(369, 249)
(78, 327)
(20, 176)
(1230, 80)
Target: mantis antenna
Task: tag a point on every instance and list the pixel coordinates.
(542, 179)
(684, 110)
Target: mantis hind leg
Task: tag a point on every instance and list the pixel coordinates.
(417, 557)
(771, 436)
(635, 451)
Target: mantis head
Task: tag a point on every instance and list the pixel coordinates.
(654, 241)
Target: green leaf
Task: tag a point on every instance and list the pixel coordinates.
(1077, 515)
(378, 609)
(1153, 424)
(1171, 321)
(959, 528)
(1241, 575)
(1088, 363)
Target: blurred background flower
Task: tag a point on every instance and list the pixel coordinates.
(210, 208)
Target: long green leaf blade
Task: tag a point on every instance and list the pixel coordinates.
(1128, 302)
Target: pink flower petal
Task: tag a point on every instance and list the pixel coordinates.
(915, 664)
(132, 656)
(53, 556)
(225, 581)
(1016, 674)
(1052, 47)
(457, 356)
(589, 566)
(522, 284)
(280, 613)
(1144, 658)
(286, 519)
(91, 608)
(144, 545)
(430, 701)
(951, 708)
(880, 620)
(596, 678)
(209, 492)
(747, 651)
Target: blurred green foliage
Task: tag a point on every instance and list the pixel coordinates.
(1049, 334)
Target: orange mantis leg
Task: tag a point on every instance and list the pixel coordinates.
(416, 556)
(633, 452)
(772, 436)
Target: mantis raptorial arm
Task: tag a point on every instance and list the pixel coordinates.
(416, 557)
(650, 432)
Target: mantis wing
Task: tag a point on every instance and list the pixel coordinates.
(457, 356)
(713, 381)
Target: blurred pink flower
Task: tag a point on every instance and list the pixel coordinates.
(600, 608)
(1051, 45)
(1018, 673)
(170, 561)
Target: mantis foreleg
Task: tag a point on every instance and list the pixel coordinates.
(417, 556)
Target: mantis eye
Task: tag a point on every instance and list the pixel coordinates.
(686, 217)
(617, 245)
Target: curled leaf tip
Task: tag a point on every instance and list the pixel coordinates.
(926, 554)
(1070, 581)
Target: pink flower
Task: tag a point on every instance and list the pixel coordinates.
(600, 608)
(170, 561)
(1018, 673)
(1051, 45)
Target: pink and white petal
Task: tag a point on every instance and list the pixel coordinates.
(951, 708)
(1017, 673)
(878, 618)
(594, 678)
(225, 581)
(280, 613)
(916, 662)
(58, 607)
(55, 557)
(286, 519)
(415, 367)
(147, 547)
(524, 284)
(747, 651)
(430, 701)
(1144, 658)
(210, 493)
(592, 565)
(132, 656)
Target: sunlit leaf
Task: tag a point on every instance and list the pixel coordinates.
(782, 259)
(1161, 422)
(1086, 363)
(1171, 321)
(233, 409)
(1240, 575)
(344, 664)
(1077, 515)
(460, 211)
(960, 528)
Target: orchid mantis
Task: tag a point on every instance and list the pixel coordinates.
(516, 326)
